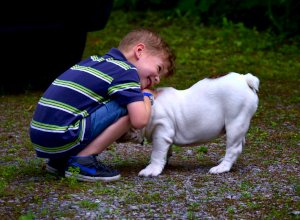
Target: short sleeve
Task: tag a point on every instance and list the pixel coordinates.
(126, 88)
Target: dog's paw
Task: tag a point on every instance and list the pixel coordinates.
(151, 170)
(221, 168)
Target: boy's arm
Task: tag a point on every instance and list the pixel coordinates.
(139, 113)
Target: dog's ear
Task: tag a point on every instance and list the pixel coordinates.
(123, 138)
(133, 135)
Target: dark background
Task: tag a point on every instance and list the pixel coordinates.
(40, 40)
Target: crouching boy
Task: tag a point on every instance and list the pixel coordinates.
(95, 102)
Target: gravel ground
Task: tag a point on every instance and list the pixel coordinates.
(185, 190)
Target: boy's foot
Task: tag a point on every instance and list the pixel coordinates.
(90, 169)
(57, 166)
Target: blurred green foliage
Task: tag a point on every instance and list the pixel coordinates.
(280, 16)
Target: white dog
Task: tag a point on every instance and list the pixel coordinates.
(204, 111)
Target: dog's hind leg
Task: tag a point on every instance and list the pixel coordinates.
(235, 140)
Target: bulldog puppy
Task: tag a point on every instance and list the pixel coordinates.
(206, 110)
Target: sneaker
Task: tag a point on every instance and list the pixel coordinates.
(90, 169)
(57, 166)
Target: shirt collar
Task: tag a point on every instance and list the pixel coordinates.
(116, 54)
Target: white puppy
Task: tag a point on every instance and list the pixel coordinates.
(204, 111)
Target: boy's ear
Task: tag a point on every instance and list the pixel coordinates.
(138, 50)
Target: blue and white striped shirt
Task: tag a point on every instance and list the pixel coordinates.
(60, 122)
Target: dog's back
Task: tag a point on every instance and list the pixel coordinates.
(229, 81)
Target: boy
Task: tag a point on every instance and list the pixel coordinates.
(95, 102)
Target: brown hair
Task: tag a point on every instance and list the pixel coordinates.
(153, 42)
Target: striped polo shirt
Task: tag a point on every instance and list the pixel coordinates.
(60, 122)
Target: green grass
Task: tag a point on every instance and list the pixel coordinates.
(273, 139)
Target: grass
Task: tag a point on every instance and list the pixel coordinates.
(264, 184)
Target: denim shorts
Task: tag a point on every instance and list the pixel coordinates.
(105, 116)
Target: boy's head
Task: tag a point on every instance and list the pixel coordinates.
(146, 49)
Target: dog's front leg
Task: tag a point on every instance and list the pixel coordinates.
(158, 157)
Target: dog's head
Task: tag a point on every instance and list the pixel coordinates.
(133, 135)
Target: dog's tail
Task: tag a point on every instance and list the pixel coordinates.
(252, 81)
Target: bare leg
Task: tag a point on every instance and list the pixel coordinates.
(107, 137)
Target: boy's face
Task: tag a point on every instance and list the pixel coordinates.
(150, 68)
